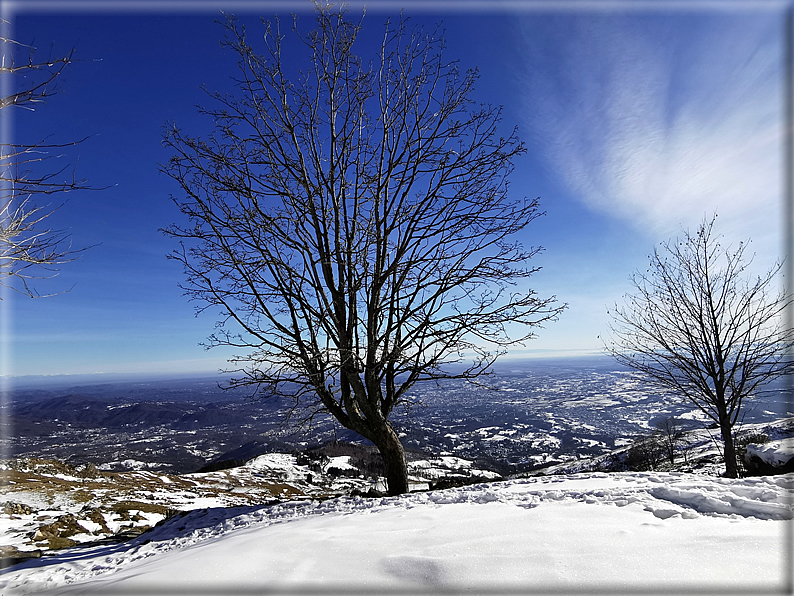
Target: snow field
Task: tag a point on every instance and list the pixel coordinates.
(586, 531)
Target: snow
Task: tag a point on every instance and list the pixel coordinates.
(340, 463)
(775, 453)
(8, 526)
(589, 531)
(444, 466)
(62, 477)
(89, 525)
(281, 463)
(127, 464)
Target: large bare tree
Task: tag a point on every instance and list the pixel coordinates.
(700, 325)
(29, 248)
(352, 222)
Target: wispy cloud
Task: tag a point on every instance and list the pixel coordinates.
(661, 119)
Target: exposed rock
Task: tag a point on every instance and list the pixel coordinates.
(10, 555)
(57, 542)
(12, 508)
(64, 527)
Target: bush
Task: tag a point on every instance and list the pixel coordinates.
(670, 434)
(457, 481)
(221, 465)
(741, 443)
(645, 453)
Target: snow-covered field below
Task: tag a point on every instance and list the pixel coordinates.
(643, 531)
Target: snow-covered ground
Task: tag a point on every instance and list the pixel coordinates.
(622, 531)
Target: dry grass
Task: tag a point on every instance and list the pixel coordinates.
(86, 494)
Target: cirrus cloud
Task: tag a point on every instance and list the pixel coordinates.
(662, 119)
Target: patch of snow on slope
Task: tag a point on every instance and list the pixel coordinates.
(775, 453)
(341, 463)
(282, 465)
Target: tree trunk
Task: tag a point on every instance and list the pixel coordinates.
(393, 454)
(729, 452)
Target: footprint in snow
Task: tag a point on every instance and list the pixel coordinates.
(414, 568)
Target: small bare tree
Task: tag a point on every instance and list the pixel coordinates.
(670, 434)
(698, 325)
(29, 249)
(353, 224)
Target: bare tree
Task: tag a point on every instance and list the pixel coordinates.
(698, 324)
(29, 249)
(353, 225)
(670, 434)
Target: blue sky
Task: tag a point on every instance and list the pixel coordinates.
(639, 119)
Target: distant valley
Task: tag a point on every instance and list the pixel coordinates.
(525, 415)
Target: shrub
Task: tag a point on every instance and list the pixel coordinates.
(645, 453)
(741, 443)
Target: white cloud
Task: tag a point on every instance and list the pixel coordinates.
(661, 121)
